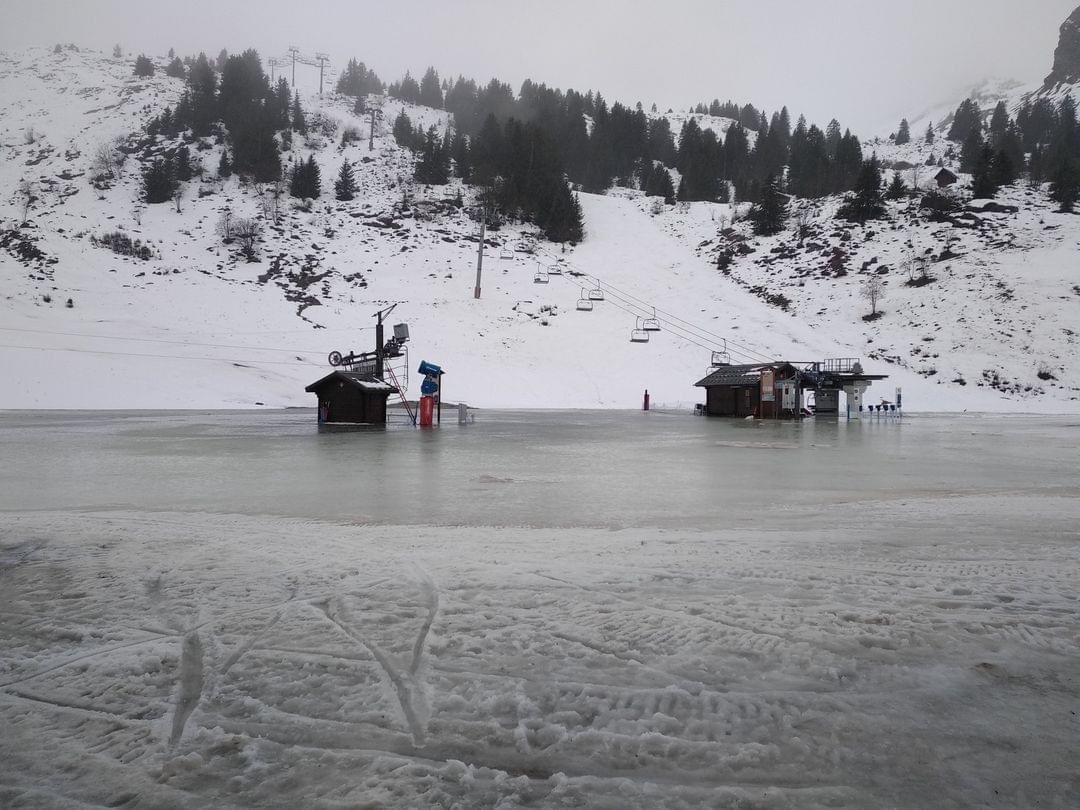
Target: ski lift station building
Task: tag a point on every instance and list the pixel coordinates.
(777, 390)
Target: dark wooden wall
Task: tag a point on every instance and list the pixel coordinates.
(347, 403)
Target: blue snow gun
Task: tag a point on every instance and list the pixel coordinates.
(429, 369)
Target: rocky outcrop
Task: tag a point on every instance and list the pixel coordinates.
(1067, 53)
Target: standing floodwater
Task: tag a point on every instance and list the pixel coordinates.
(615, 609)
(521, 468)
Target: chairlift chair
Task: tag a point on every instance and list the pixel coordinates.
(651, 324)
(596, 294)
(541, 277)
(584, 304)
(721, 358)
(555, 270)
(639, 333)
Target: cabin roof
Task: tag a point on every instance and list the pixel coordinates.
(365, 382)
(747, 374)
(945, 174)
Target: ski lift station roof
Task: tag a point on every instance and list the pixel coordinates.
(747, 374)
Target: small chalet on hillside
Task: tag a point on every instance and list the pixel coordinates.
(945, 178)
(776, 390)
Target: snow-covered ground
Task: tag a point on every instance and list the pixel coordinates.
(875, 614)
(196, 326)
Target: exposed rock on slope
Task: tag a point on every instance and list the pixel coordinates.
(1067, 54)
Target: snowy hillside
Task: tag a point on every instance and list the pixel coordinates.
(195, 325)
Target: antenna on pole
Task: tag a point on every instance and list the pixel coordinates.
(273, 62)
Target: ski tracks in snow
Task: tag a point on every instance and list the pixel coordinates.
(407, 683)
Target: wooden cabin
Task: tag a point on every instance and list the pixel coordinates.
(762, 390)
(945, 178)
(349, 397)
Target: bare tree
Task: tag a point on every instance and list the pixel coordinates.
(30, 135)
(225, 225)
(107, 162)
(247, 233)
(803, 220)
(137, 212)
(27, 196)
(178, 196)
(873, 290)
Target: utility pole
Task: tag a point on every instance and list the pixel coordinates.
(322, 57)
(480, 253)
(371, 135)
(294, 51)
(273, 63)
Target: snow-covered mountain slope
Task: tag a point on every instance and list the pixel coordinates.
(197, 326)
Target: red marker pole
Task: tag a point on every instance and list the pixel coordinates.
(645, 402)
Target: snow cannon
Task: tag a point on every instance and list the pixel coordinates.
(429, 369)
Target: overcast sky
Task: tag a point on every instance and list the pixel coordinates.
(866, 62)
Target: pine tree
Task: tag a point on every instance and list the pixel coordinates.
(224, 166)
(903, 134)
(430, 92)
(999, 123)
(929, 137)
(182, 164)
(971, 150)
(967, 118)
(304, 181)
(982, 182)
(345, 185)
(1037, 166)
(176, 69)
(1065, 190)
(658, 184)
(143, 66)
(866, 202)
(563, 220)
(770, 214)
(299, 122)
(403, 130)
(897, 188)
(433, 167)
(832, 138)
(159, 181)
(462, 157)
(1004, 172)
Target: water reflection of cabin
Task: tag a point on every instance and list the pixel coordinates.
(776, 390)
(349, 397)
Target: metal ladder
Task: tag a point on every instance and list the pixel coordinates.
(400, 393)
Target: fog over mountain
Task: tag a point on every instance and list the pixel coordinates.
(866, 63)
